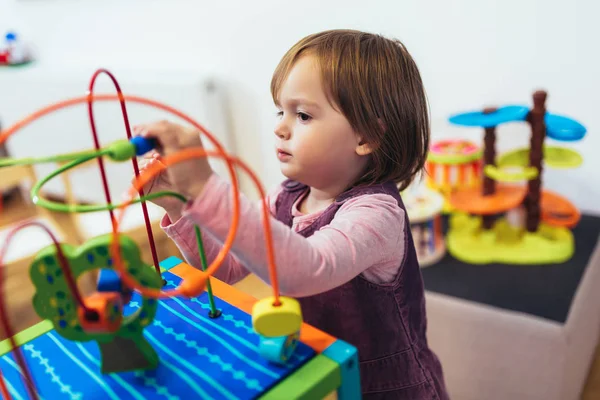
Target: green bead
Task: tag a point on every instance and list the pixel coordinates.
(121, 150)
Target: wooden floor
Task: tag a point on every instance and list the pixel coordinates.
(19, 290)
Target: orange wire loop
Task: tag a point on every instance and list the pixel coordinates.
(185, 155)
(150, 172)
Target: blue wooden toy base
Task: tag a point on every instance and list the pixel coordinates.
(200, 357)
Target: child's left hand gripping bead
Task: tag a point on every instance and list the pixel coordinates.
(273, 321)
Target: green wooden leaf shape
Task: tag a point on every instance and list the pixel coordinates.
(54, 301)
(554, 157)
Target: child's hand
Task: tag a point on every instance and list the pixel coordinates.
(159, 183)
(186, 177)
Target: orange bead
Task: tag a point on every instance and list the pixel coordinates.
(107, 312)
(194, 284)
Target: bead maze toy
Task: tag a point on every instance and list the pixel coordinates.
(453, 164)
(160, 329)
(424, 208)
(512, 184)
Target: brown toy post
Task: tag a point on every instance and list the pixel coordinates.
(536, 154)
(489, 158)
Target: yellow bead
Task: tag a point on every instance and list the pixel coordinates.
(271, 321)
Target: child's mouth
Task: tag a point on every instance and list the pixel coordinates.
(283, 155)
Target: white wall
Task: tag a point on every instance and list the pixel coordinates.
(471, 53)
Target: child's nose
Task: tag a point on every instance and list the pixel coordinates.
(282, 131)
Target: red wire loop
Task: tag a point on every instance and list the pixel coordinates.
(64, 264)
(136, 169)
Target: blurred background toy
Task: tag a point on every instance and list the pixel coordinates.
(511, 181)
(453, 164)
(424, 208)
(13, 51)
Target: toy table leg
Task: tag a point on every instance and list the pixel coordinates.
(346, 356)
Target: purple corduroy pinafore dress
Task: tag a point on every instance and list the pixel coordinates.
(385, 322)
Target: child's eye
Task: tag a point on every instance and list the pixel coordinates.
(303, 117)
(279, 113)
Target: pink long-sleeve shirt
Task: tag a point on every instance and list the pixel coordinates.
(365, 237)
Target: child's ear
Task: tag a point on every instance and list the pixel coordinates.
(363, 148)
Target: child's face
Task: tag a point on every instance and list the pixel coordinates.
(315, 143)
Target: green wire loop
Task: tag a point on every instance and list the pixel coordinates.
(84, 208)
(213, 308)
(10, 162)
(119, 150)
(77, 208)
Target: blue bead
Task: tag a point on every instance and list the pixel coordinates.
(62, 323)
(279, 349)
(143, 145)
(108, 281)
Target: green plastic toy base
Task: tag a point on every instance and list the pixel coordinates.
(503, 243)
(314, 380)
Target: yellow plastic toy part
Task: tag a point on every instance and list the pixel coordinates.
(554, 157)
(507, 244)
(272, 321)
(503, 175)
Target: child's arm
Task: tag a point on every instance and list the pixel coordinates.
(366, 232)
(183, 234)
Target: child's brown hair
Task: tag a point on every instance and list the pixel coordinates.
(374, 82)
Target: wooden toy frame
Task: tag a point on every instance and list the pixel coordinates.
(329, 364)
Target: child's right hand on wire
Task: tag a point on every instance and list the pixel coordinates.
(186, 177)
(159, 183)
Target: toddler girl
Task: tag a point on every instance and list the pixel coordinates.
(352, 130)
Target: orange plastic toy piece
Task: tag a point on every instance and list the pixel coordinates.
(109, 309)
(309, 335)
(558, 211)
(472, 200)
(194, 285)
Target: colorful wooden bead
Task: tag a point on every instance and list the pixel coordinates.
(278, 349)
(273, 321)
(106, 312)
